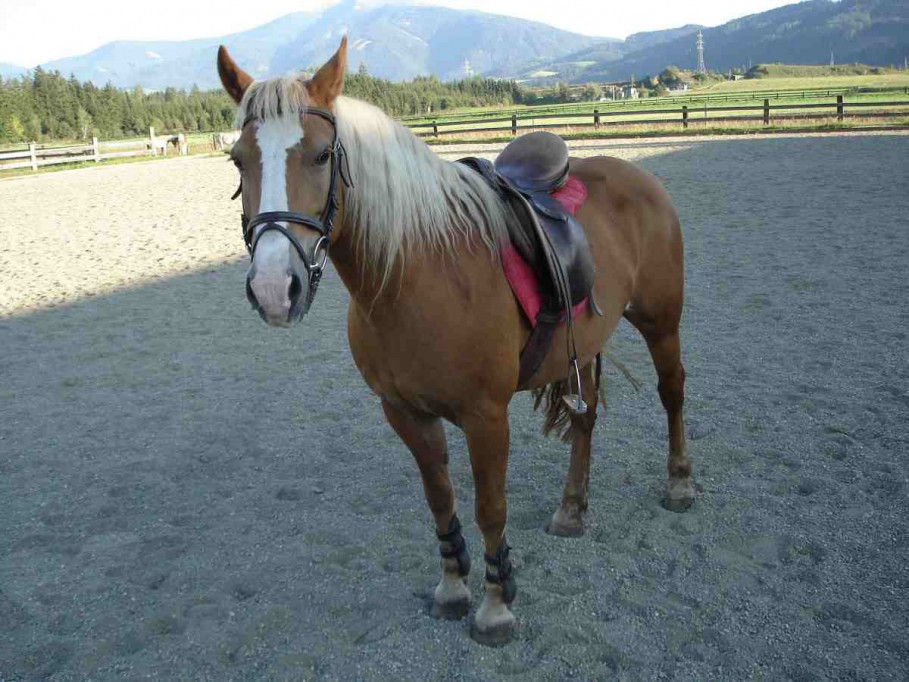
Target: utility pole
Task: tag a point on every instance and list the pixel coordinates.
(832, 62)
(702, 68)
(468, 71)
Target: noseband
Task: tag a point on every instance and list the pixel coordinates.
(271, 220)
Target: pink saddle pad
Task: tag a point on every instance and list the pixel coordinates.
(521, 277)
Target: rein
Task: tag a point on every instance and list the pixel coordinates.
(323, 224)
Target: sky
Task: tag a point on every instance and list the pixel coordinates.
(37, 31)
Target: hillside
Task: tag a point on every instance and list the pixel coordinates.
(393, 42)
(873, 32)
(575, 66)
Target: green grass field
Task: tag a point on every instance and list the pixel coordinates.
(892, 80)
(797, 90)
(788, 97)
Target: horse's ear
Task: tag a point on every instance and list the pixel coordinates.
(326, 85)
(234, 79)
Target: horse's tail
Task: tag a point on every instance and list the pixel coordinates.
(558, 417)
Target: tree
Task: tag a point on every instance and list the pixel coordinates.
(563, 93)
(15, 130)
(671, 76)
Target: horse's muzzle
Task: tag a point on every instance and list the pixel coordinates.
(281, 300)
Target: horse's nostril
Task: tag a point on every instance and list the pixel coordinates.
(295, 289)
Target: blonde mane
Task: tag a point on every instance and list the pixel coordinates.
(404, 196)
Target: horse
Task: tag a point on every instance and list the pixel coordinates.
(433, 326)
(220, 141)
(159, 143)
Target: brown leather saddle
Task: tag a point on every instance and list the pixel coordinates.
(546, 236)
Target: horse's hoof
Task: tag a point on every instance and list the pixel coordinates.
(679, 495)
(498, 634)
(561, 531)
(451, 600)
(565, 524)
(451, 610)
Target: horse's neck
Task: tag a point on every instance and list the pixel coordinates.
(363, 281)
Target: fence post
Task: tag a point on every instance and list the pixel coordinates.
(839, 107)
(34, 159)
(435, 129)
(685, 116)
(151, 137)
(95, 150)
(766, 112)
(596, 118)
(514, 124)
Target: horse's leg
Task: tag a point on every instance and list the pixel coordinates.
(661, 332)
(487, 439)
(424, 436)
(567, 519)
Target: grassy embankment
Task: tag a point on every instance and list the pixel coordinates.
(632, 114)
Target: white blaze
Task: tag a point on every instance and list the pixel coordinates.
(272, 262)
(275, 137)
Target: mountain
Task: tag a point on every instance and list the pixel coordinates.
(401, 42)
(866, 31)
(396, 42)
(641, 41)
(576, 66)
(11, 70)
(156, 65)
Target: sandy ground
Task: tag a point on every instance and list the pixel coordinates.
(188, 494)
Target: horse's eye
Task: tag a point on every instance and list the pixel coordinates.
(323, 157)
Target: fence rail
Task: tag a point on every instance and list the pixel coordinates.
(683, 115)
(35, 157)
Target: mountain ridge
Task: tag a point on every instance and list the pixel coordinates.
(397, 42)
(400, 42)
(872, 32)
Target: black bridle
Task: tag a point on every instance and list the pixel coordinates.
(270, 220)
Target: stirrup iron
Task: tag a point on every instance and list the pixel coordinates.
(574, 401)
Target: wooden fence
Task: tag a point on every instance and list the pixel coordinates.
(683, 116)
(35, 157)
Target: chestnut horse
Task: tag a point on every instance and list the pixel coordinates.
(433, 326)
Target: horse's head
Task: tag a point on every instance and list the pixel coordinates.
(291, 167)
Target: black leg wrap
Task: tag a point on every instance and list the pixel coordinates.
(503, 575)
(458, 546)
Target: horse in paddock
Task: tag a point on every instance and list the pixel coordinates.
(434, 328)
(159, 144)
(221, 141)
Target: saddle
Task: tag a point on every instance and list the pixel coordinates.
(546, 236)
